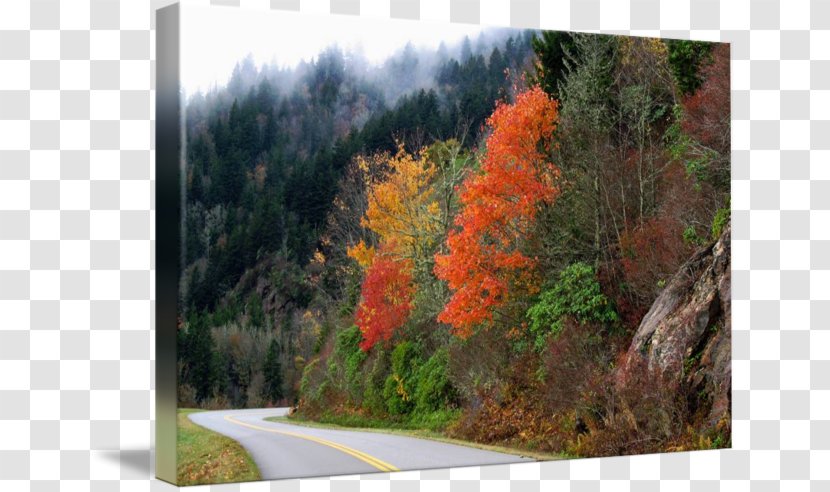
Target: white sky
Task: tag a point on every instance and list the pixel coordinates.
(214, 39)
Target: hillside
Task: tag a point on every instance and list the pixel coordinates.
(265, 156)
(522, 240)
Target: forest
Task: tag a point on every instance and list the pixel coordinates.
(521, 240)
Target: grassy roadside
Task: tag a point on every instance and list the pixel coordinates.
(418, 433)
(203, 456)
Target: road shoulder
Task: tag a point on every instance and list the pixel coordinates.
(419, 434)
(205, 457)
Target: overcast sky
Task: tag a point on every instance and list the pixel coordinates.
(214, 39)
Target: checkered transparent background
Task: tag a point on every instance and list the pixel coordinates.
(77, 245)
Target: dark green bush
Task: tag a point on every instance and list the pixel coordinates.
(576, 294)
(375, 370)
(686, 58)
(347, 351)
(399, 387)
(433, 390)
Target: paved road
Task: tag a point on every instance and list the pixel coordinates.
(292, 451)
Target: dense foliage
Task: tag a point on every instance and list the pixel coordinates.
(387, 299)
(576, 295)
(268, 157)
(485, 262)
(469, 250)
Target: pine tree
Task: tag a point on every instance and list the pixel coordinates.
(552, 49)
(200, 344)
(272, 369)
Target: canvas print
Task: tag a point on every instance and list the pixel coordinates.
(407, 245)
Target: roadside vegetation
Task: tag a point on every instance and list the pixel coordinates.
(472, 258)
(205, 457)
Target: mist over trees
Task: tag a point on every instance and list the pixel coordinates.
(463, 239)
(264, 157)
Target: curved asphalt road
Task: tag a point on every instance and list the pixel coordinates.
(291, 451)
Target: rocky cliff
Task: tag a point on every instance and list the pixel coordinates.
(685, 337)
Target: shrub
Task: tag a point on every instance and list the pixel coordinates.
(577, 369)
(216, 402)
(643, 414)
(721, 219)
(312, 378)
(347, 351)
(399, 387)
(436, 421)
(691, 238)
(395, 396)
(375, 369)
(577, 294)
(433, 391)
(651, 253)
(477, 365)
(187, 396)
(512, 413)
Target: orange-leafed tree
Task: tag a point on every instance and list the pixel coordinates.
(485, 261)
(387, 293)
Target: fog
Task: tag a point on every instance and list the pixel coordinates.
(214, 39)
(355, 67)
(397, 56)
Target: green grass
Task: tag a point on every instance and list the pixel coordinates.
(203, 456)
(365, 424)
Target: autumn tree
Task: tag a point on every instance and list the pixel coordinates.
(401, 210)
(387, 292)
(484, 259)
(405, 220)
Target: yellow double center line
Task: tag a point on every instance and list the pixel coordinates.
(380, 465)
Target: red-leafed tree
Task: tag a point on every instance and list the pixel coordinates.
(387, 293)
(485, 261)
